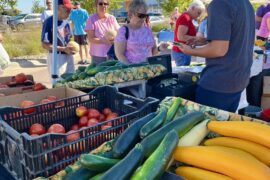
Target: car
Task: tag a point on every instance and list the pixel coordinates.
(157, 20)
(25, 21)
(122, 17)
(155, 14)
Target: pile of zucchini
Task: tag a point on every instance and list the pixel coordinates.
(109, 72)
(143, 151)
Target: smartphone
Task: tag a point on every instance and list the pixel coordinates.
(177, 44)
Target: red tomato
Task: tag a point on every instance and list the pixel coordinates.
(102, 117)
(56, 128)
(75, 127)
(38, 87)
(73, 136)
(26, 104)
(45, 101)
(83, 121)
(92, 122)
(20, 78)
(52, 98)
(37, 129)
(111, 116)
(106, 111)
(93, 113)
(103, 127)
(81, 111)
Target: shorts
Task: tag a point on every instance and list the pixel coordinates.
(65, 64)
(181, 59)
(224, 101)
(81, 39)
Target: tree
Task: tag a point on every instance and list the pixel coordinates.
(89, 5)
(37, 8)
(4, 4)
(169, 5)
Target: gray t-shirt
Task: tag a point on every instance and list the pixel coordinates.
(230, 20)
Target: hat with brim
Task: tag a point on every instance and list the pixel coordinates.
(66, 3)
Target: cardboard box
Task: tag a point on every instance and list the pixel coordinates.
(37, 96)
(266, 85)
(265, 101)
(15, 90)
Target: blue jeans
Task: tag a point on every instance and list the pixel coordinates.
(181, 59)
(225, 101)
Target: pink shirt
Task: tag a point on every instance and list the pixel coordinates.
(100, 27)
(264, 31)
(139, 44)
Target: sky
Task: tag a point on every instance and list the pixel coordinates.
(26, 5)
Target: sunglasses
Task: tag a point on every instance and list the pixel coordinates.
(141, 15)
(103, 4)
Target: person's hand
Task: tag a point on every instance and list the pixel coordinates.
(186, 49)
(108, 42)
(69, 50)
(164, 46)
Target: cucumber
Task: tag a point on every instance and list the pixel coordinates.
(90, 66)
(138, 65)
(97, 163)
(93, 71)
(173, 110)
(130, 137)
(181, 125)
(66, 75)
(108, 63)
(156, 164)
(154, 123)
(124, 169)
(82, 68)
(82, 76)
(80, 174)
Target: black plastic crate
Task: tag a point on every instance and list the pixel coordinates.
(179, 88)
(26, 157)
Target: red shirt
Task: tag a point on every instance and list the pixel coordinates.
(184, 20)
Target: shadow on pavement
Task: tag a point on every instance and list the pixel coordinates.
(30, 63)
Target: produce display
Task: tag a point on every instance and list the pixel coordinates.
(86, 118)
(109, 72)
(145, 152)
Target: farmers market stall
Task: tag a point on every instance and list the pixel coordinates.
(241, 149)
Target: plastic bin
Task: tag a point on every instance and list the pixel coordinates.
(26, 157)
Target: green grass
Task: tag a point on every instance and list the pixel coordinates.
(23, 43)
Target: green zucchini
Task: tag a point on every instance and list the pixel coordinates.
(82, 68)
(181, 125)
(125, 168)
(130, 137)
(154, 123)
(97, 177)
(80, 174)
(108, 63)
(97, 163)
(173, 110)
(156, 164)
(66, 75)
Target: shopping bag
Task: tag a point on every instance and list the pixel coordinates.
(4, 58)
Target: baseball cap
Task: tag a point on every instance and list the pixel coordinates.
(66, 3)
(77, 3)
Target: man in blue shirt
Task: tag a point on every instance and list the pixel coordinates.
(65, 61)
(79, 17)
(229, 54)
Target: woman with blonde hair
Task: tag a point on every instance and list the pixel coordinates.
(97, 26)
(140, 43)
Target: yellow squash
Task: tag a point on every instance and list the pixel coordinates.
(234, 163)
(192, 173)
(252, 131)
(262, 153)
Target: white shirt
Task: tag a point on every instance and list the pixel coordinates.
(47, 13)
